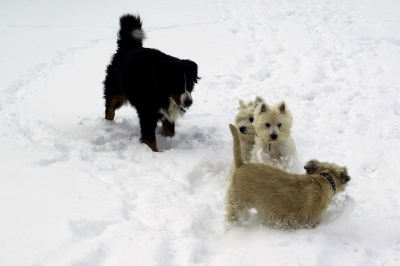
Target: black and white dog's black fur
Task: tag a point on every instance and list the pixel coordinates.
(159, 86)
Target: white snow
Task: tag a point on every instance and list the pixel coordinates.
(78, 190)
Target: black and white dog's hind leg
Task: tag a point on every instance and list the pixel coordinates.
(113, 96)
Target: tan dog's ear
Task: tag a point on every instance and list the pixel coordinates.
(311, 166)
(345, 176)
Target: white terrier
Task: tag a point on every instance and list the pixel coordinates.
(273, 143)
(244, 123)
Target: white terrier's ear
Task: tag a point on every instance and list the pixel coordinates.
(263, 108)
(242, 104)
(258, 100)
(282, 107)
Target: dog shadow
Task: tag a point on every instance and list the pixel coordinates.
(341, 206)
(115, 135)
(126, 130)
(250, 219)
(192, 138)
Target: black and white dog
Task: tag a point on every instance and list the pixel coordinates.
(159, 86)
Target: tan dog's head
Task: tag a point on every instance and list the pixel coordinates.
(244, 121)
(338, 173)
(272, 123)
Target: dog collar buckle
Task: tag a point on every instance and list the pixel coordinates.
(330, 181)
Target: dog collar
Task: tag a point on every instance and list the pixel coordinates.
(330, 181)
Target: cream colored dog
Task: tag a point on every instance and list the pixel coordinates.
(244, 123)
(274, 144)
(282, 199)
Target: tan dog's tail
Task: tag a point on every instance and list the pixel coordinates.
(237, 149)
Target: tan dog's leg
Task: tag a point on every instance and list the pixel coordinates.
(234, 205)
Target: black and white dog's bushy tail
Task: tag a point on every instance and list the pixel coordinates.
(130, 34)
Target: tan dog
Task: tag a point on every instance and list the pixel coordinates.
(282, 199)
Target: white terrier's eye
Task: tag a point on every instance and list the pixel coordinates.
(279, 125)
(251, 119)
(268, 124)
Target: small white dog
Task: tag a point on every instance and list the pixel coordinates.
(244, 123)
(273, 143)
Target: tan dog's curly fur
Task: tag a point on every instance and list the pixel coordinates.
(282, 199)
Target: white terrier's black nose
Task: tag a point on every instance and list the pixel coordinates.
(274, 136)
(242, 129)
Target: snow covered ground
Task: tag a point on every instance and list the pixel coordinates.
(78, 190)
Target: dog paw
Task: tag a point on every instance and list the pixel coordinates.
(110, 115)
(152, 145)
(167, 133)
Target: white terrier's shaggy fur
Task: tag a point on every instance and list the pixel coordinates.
(282, 199)
(273, 143)
(244, 123)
